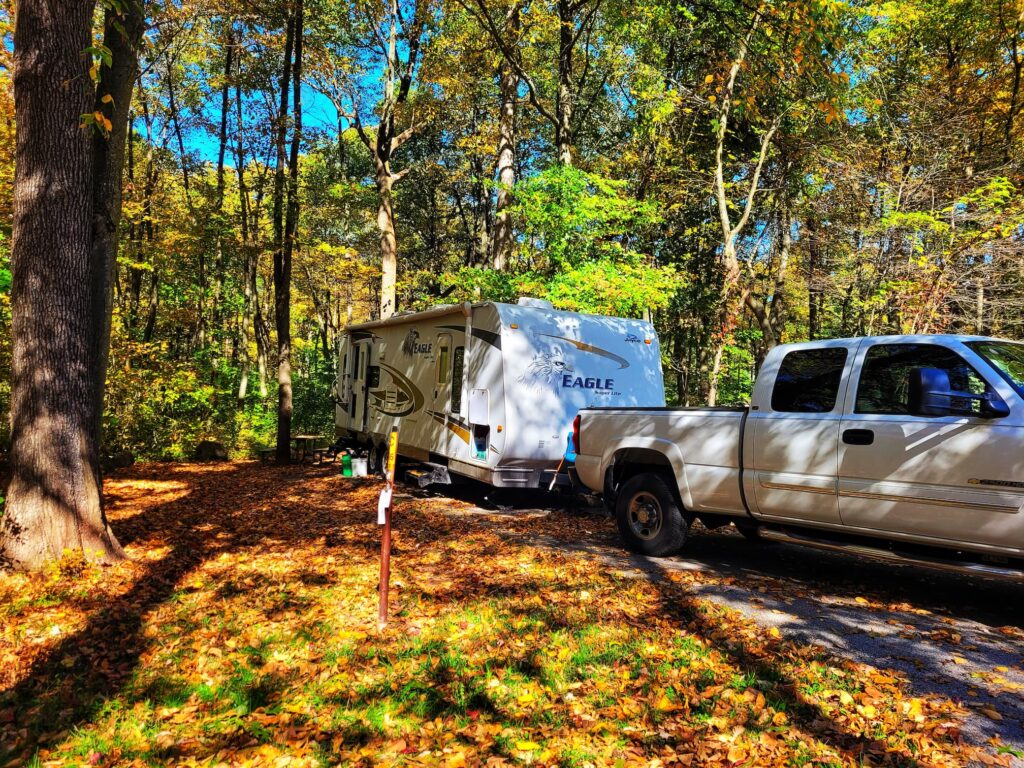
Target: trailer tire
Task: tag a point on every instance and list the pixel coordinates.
(649, 517)
(375, 460)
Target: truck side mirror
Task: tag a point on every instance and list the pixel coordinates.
(927, 393)
(931, 394)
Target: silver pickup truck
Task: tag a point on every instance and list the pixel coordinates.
(907, 448)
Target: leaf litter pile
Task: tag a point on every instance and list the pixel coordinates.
(243, 632)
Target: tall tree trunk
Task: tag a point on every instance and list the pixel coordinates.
(283, 286)
(813, 291)
(67, 207)
(199, 332)
(249, 252)
(282, 268)
(122, 33)
(388, 242)
(222, 146)
(154, 303)
(730, 299)
(398, 76)
(509, 85)
(564, 96)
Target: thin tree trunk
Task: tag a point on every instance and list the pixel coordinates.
(730, 299)
(222, 145)
(509, 84)
(154, 303)
(199, 333)
(282, 268)
(249, 252)
(564, 95)
(813, 291)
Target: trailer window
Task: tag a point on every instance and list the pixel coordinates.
(458, 365)
(808, 380)
(444, 359)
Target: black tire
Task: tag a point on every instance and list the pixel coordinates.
(649, 516)
(750, 531)
(608, 493)
(375, 461)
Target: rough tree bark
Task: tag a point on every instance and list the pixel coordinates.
(67, 206)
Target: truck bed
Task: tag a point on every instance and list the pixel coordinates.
(709, 438)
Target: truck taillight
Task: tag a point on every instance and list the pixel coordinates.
(576, 433)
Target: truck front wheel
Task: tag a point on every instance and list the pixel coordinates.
(648, 516)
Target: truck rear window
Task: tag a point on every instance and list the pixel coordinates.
(808, 380)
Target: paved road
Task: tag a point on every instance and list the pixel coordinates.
(955, 636)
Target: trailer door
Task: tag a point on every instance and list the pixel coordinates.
(442, 392)
(358, 403)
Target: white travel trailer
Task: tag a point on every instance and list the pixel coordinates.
(489, 390)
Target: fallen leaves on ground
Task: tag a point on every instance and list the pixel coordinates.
(242, 632)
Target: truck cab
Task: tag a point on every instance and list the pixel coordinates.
(903, 440)
(839, 434)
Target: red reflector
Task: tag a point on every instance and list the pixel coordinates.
(576, 433)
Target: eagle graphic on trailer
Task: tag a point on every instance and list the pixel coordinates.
(489, 390)
(546, 368)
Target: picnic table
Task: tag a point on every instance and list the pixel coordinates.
(305, 444)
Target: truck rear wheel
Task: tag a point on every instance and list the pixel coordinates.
(649, 517)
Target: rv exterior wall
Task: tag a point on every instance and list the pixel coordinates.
(491, 390)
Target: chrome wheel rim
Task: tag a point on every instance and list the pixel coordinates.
(645, 515)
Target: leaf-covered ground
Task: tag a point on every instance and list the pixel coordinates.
(243, 632)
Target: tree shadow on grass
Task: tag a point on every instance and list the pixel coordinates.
(68, 684)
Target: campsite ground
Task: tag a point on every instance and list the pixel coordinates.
(242, 631)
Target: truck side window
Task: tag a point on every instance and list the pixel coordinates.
(885, 376)
(808, 380)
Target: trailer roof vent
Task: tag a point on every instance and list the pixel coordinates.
(529, 301)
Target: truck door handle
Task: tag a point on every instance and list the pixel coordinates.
(858, 436)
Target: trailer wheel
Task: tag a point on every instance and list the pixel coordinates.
(375, 460)
(649, 517)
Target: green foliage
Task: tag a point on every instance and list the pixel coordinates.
(158, 408)
(579, 249)
(313, 399)
(606, 287)
(568, 217)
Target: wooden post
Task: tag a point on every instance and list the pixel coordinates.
(385, 541)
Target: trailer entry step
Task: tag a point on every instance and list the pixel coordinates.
(428, 474)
